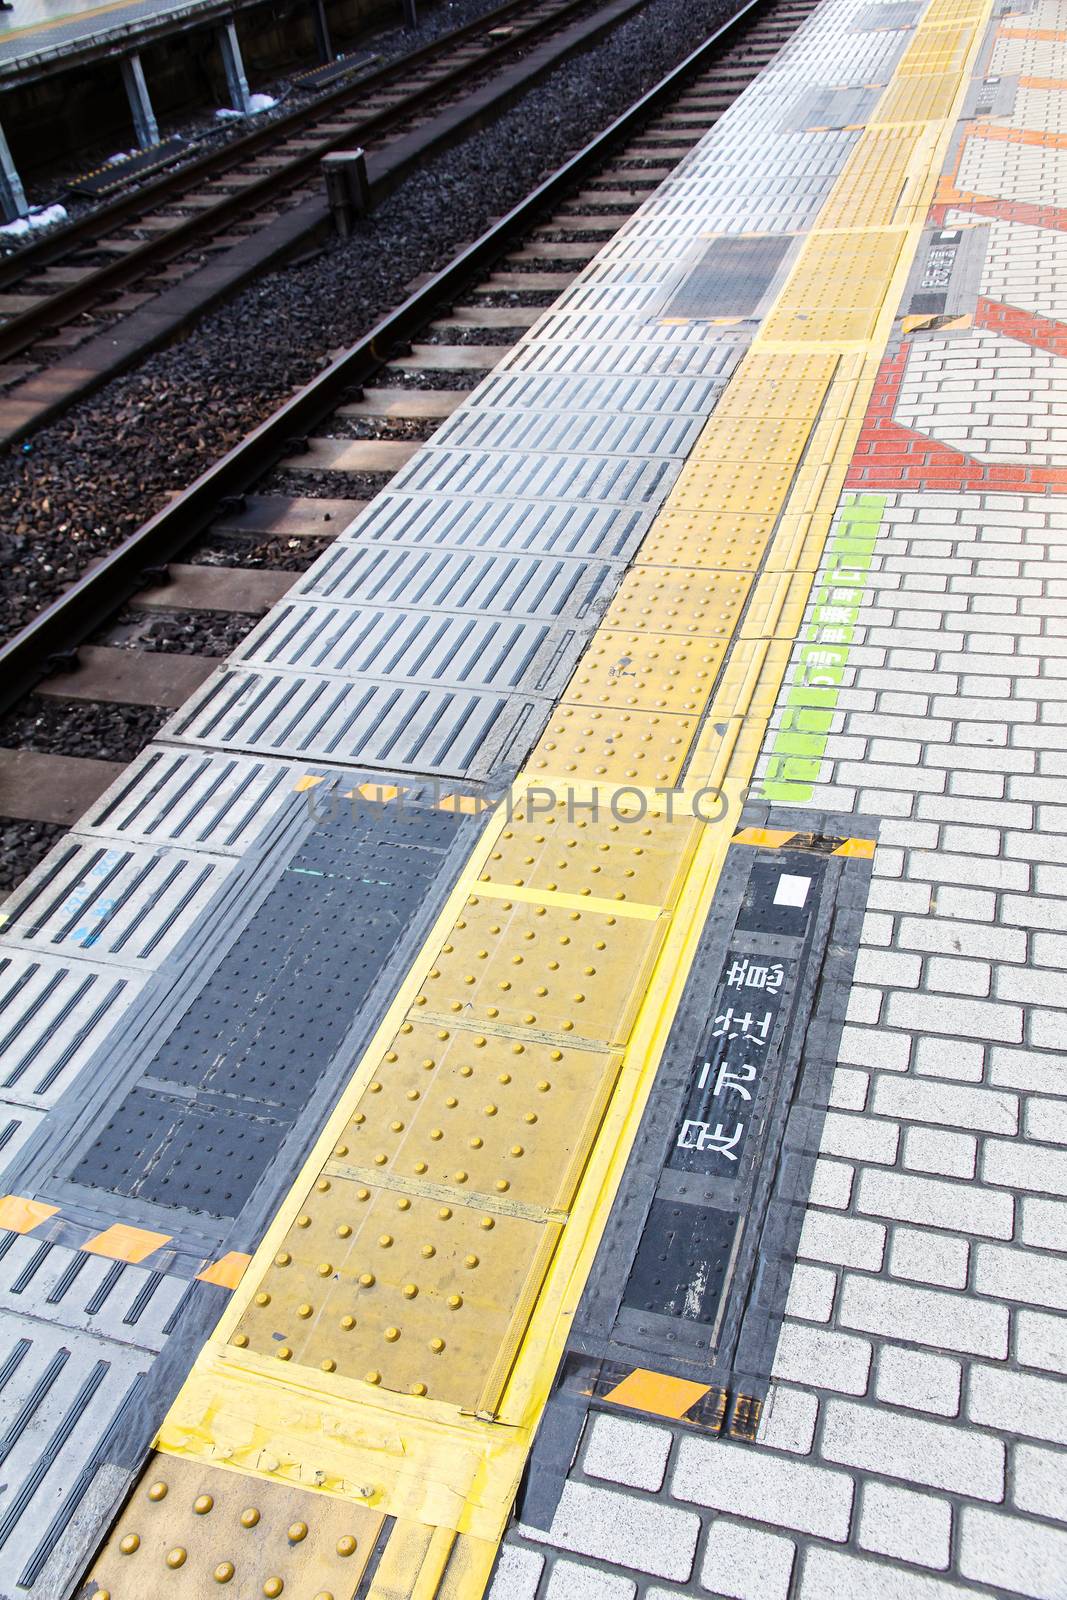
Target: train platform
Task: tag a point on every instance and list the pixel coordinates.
(40, 36)
(547, 1080)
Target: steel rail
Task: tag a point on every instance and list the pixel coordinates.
(30, 654)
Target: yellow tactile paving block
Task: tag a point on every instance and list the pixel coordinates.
(565, 973)
(417, 1293)
(736, 486)
(679, 600)
(868, 192)
(508, 1118)
(916, 99)
(190, 1531)
(613, 746)
(935, 50)
(646, 671)
(637, 858)
(732, 436)
(716, 541)
(837, 286)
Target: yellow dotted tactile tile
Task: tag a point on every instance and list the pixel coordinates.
(570, 974)
(719, 540)
(732, 436)
(632, 860)
(415, 1293)
(192, 1530)
(646, 671)
(679, 600)
(508, 1118)
(613, 746)
(737, 486)
(836, 289)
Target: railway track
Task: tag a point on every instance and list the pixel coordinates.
(91, 299)
(146, 626)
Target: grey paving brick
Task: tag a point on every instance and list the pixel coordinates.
(627, 1452)
(961, 1207)
(938, 1454)
(1021, 1165)
(926, 1257)
(859, 1137)
(1019, 1402)
(746, 1563)
(1040, 1481)
(844, 1241)
(971, 1019)
(874, 1047)
(1026, 1275)
(518, 1572)
(922, 1382)
(949, 1104)
(569, 1581)
(962, 1059)
(1027, 1558)
(788, 1419)
(953, 1155)
(912, 1527)
(1041, 1340)
(1047, 1120)
(832, 1575)
(645, 1535)
(828, 1360)
(811, 1293)
(924, 1316)
(1044, 1223)
(765, 1488)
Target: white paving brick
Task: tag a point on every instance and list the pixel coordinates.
(941, 1455)
(569, 1581)
(811, 1293)
(1044, 1223)
(1019, 1402)
(788, 1419)
(745, 1563)
(912, 1527)
(619, 1528)
(950, 1104)
(969, 1019)
(926, 1257)
(1040, 1480)
(765, 1488)
(829, 1360)
(627, 1452)
(961, 1207)
(518, 1572)
(832, 1575)
(1025, 1166)
(952, 1155)
(1013, 1274)
(924, 1316)
(1025, 1559)
(844, 1241)
(918, 1380)
(859, 1138)
(1041, 1340)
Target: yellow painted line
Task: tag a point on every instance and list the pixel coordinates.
(447, 1466)
(22, 1216)
(567, 902)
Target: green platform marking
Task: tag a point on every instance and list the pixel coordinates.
(819, 669)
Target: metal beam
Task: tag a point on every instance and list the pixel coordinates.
(236, 82)
(144, 118)
(12, 196)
